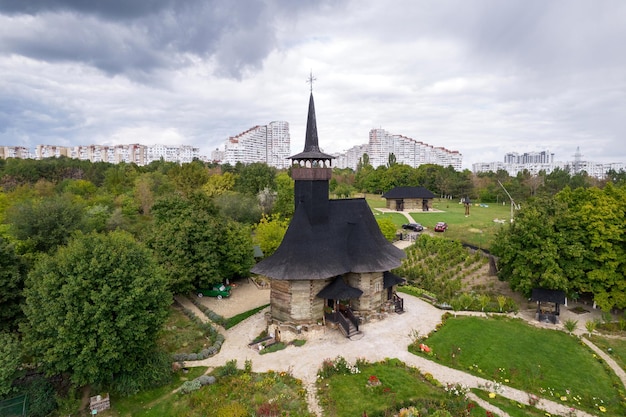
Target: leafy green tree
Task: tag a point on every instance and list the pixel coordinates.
(388, 228)
(597, 220)
(120, 178)
(529, 250)
(398, 175)
(94, 308)
(47, 223)
(11, 286)
(254, 177)
(10, 360)
(284, 204)
(196, 245)
(219, 184)
(189, 178)
(269, 233)
(242, 208)
(343, 191)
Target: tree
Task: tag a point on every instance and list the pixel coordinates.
(529, 250)
(10, 360)
(254, 177)
(94, 308)
(284, 204)
(574, 242)
(47, 223)
(269, 233)
(218, 184)
(11, 286)
(194, 243)
(388, 228)
(189, 178)
(242, 208)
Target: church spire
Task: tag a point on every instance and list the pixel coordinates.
(311, 152)
(310, 140)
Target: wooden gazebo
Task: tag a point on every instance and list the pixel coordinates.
(548, 304)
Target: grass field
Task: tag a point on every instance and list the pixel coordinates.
(478, 229)
(351, 394)
(548, 363)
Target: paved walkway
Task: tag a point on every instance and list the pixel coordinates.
(387, 338)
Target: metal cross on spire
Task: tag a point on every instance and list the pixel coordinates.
(310, 80)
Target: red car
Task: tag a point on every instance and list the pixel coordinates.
(441, 227)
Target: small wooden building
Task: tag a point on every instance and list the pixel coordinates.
(333, 256)
(548, 304)
(409, 199)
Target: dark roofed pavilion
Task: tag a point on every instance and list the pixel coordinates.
(327, 241)
(409, 198)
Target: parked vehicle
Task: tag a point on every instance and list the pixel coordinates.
(441, 227)
(216, 291)
(416, 227)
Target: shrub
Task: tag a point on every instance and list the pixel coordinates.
(232, 410)
(570, 325)
(155, 370)
(41, 399)
(229, 368)
(190, 386)
(206, 380)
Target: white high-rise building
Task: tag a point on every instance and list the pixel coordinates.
(270, 144)
(408, 151)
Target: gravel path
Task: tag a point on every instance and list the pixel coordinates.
(387, 338)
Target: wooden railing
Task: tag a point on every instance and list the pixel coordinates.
(399, 303)
(343, 322)
(350, 316)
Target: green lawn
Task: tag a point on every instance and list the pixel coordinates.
(396, 218)
(617, 348)
(241, 394)
(156, 402)
(477, 229)
(511, 407)
(548, 363)
(181, 335)
(349, 394)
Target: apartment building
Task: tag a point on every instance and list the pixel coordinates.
(114, 154)
(269, 143)
(535, 162)
(407, 151)
(14, 152)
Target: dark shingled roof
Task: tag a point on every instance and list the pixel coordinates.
(348, 241)
(311, 145)
(339, 290)
(409, 192)
(389, 280)
(550, 296)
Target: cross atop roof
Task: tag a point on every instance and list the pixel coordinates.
(310, 80)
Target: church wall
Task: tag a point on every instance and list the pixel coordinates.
(280, 299)
(371, 283)
(305, 306)
(296, 301)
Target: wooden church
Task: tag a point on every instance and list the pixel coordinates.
(333, 263)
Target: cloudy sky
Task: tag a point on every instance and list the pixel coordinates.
(483, 77)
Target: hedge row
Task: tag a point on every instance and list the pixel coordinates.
(212, 315)
(196, 384)
(217, 337)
